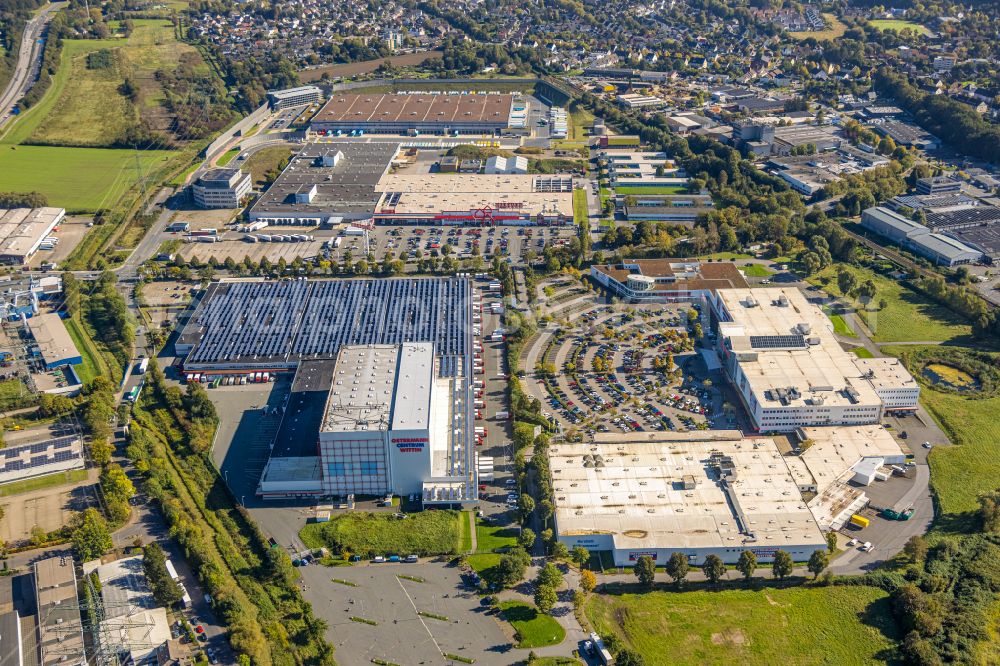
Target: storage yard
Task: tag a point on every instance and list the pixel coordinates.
(428, 113)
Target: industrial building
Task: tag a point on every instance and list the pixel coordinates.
(637, 101)
(326, 180)
(938, 185)
(377, 420)
(498, 164)
(673, 208)
(381, 395)
(905, 134)
(443, 198)
(423, 113)
(26, 461)
(942, 250)
(60, 630)
(666, 280)
(628, 168)
(55, 346)
(697, 493)
(221, 188)
(289, 97)
(788, 368)
(24, 230)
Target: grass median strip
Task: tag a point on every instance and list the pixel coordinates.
(434, 616)
(415, 579)
(363, 620)
(383, 662)
(341, 581)
(456, 657)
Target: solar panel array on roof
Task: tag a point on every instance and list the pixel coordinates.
(777, 341)
(284, 322)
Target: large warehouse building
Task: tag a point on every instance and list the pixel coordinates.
(424, 113)
(355, 181)
(942, 250)
(698, 493)
(381, 396)
(23, 230)
(790, 371)
(55, 345)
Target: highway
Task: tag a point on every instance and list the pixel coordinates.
(29, 60)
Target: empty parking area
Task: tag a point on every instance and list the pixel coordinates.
(49, 508)
(376, 593)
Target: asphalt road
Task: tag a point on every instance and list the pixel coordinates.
(29, 58)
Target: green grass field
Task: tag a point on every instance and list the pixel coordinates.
(907, 317)
(78, 179)
(42, 482)
(370, 534)
(959, 474)
(14, 394)
(580, 213)
(491, 538)
(483, 562)
(263, 161)
(862, 352)
(897, 25)
(805, 625)
(31, 119)
(666, 189)
(756, 270)
(726, 256)
(533, 629)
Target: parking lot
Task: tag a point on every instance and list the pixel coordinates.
(465, 242)
(625, 370)
(377, 593)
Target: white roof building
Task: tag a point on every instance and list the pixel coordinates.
(697, 493)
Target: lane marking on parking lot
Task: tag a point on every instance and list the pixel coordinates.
(419, 617)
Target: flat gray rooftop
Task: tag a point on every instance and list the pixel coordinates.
(348, 188)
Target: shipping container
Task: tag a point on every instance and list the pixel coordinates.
(860, 521)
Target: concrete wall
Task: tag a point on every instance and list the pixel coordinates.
(243, 125)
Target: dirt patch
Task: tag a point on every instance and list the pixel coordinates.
(621, 616)
(772, 601)
(730, 636)
(355, 68)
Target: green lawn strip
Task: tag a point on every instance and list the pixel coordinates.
(658, 189)
(556, 661)
(341, 581)
(862, 352)
(756, 270)
(363, 620)
(490, 538)
(533, 629)
(465, 538)
(458, 657)
(182, 177)
(370, 534)
(580, 214)
(841, 327)
(228, 157)
(907, 317)
(93, 363)
(415, 579)
(434, 616)
(726, 256)
(846, 625)
(960, 473)
(41, 482)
